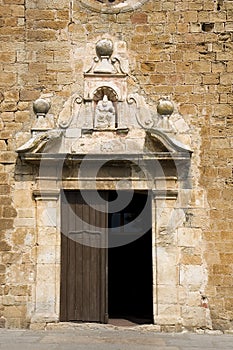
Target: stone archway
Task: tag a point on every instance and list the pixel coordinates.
(165, 218)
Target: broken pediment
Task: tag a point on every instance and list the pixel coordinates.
(105, 119)
(166, 143)
(39, 142)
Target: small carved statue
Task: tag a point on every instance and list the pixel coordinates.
(105, 114)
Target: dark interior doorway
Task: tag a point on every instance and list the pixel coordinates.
(98, 284)
(130, 265)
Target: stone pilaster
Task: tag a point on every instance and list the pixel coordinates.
(46, 293)
(165, 260)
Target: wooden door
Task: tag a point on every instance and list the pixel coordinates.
(83, 258)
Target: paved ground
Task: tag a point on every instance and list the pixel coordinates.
(102, 337)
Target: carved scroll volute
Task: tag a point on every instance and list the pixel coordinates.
(142, 113)
(70, 111)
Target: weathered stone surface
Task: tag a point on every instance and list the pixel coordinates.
(2, 322)
(177, 48)
(4, 246)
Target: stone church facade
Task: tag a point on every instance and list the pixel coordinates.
(101, 101)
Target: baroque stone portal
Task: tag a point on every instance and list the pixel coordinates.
(105, 139)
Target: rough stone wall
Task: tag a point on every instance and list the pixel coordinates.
(14, 117)
(181, 49)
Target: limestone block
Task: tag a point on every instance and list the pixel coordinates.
(116, 146)
(22, 116)
(4, 177)
(4, 246)
(192, 275)
(18, 10)
(167, 266)
(184, 198)
(21, 274)
(168, 314)
(10, 257)
(23, 236)
(47, 216)
(179, 123)
(198, 219)
(26, 213)
(176, 219)
(198, 198)
(8, 78)
(8, 300)
(182, 294)
(20, 290)
(194, 317)
(189, 237)
(2, 280)
(167, 295)
(37, 326)
(73, 133)
(46, 254)
(45, 298)
(163, 218)
(23, 199)
(24, 222)
(2, 322)
(15, 311)
(3, 146)
(47, 236)
(9, 212)
(2, 268)
(46, 273)
(8, 116)
(190, 256)
(7, 57)
(86, 146)
(8, 157)
(201, 66)
(194, 299)
(135, 145)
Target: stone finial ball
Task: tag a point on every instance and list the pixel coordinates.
(104, 47)
(41, 106)
(165, 107)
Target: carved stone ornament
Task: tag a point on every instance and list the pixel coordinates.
(41, 107)
(112, 6)
(165, 107)
(104, 114)
(105, 118)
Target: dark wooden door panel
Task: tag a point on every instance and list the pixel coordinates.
(84, 265)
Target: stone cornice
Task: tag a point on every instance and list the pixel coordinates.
(48, 195)
(37, 158)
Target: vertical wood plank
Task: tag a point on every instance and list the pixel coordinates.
(64, 232)
(79, 258)
(71, 260)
